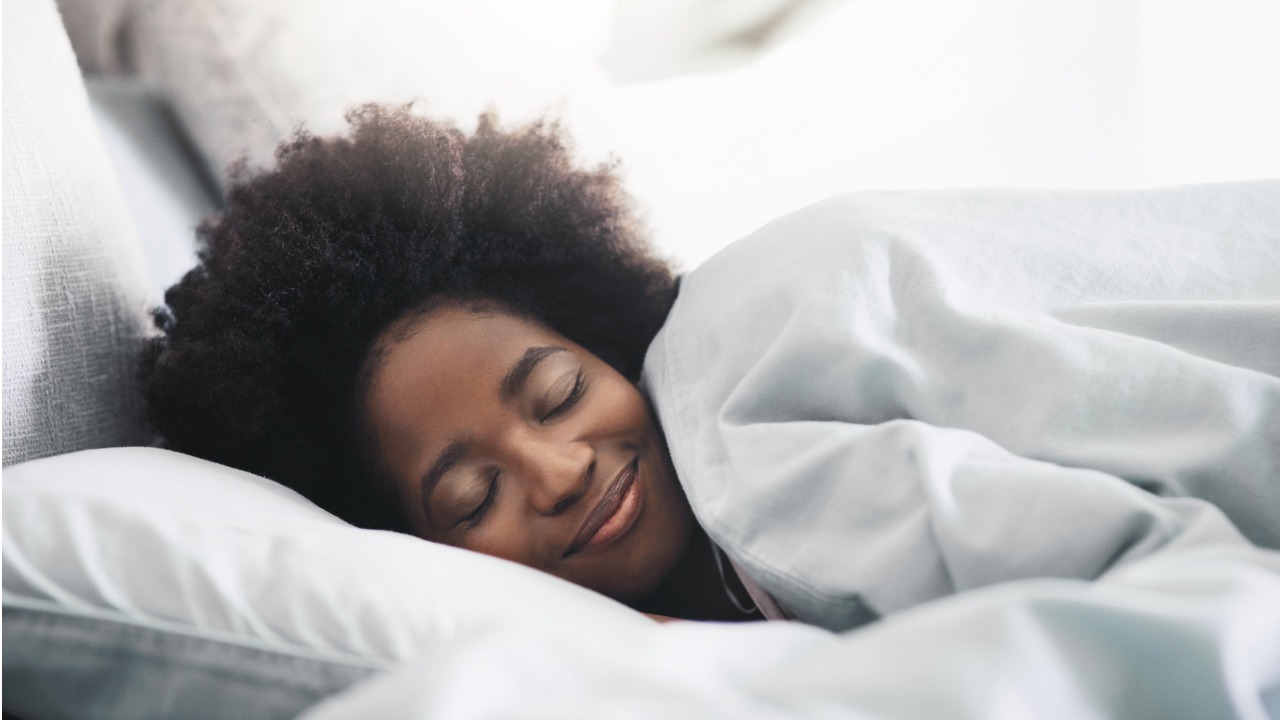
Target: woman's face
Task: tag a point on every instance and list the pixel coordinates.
(507, 438)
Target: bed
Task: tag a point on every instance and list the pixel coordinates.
(142, 583)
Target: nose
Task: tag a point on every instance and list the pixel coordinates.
(556, 473)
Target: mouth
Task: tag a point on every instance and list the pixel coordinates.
(614, 515)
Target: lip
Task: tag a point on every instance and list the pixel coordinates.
(614, 515)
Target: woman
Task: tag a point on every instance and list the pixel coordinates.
(441, 334)
(444, 334)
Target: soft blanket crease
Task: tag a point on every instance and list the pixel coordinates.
(886, 397)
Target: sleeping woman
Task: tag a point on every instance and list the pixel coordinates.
(446, 334)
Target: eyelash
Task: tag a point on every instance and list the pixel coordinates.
(475, 516)
(579, 387)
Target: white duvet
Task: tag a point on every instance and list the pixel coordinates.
(886, 399)
(1191, 635)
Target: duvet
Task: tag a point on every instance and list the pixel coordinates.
(887, 398)
(1062, 404)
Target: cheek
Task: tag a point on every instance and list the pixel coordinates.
(619, 407)
(505, 536)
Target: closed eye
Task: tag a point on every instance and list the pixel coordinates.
(575, 394)
(475, 516)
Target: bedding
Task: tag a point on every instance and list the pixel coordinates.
(141, 583)
(727, 114)
(1185, 635)
(888, 398)
(75, 296)
(242, 75)
(128, 569)
(164, 189)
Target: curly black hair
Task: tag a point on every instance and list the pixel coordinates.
(259, 356)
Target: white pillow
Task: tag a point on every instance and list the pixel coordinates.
(241, 74)
(160, 537)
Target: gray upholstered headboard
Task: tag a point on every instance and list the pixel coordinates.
(75, 293)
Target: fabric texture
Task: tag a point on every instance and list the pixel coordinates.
(75, 295)
(78, 664)
(887, 398)
(164, 543)
(1189, 636)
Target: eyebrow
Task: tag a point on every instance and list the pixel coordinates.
(512, 383)
(519, 373)
(453, 452)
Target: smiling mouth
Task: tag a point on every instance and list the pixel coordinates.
(615, 514)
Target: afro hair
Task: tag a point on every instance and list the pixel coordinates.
(258, 360)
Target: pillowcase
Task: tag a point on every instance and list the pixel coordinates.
(242, 74)
(173, 544)
(78, 664)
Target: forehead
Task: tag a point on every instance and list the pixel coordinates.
(450, 332)
(445, 368)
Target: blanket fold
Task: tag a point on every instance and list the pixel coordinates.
(889, 397)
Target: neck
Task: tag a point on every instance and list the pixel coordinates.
(693, 589)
